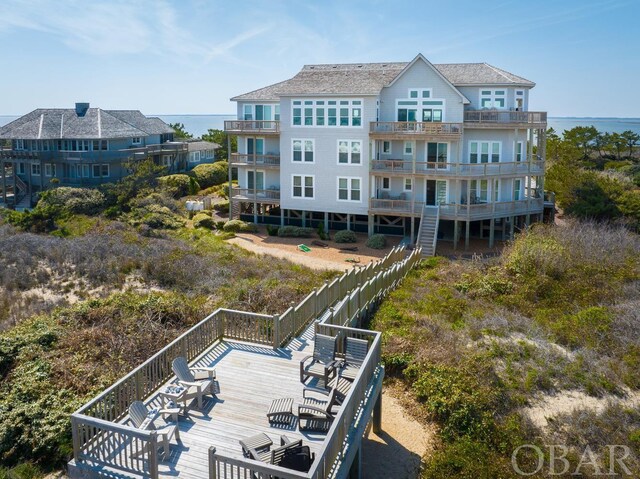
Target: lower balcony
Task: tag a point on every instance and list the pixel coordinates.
(270, 196)
(260, 161)
(451, 211)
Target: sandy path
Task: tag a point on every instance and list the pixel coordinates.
(398, 450)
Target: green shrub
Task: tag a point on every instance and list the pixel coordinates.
(155, 216)
(322, 234)
(345, 236)
(239, 226)
(222, 207)
(86, 201)
(157, 198)
(178, 185)
(202, 220)
(211, 174)
(272, 230)
(295, 232)
(220, 225)
(377, 241)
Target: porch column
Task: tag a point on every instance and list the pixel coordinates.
(492, 225)
(456, 233)
(230, 176)
(413, 230)
(326, 222)
(281, 216)
(355, 471)
(304, 219)
(370, 219)
(466, 235)
(348, 222)
(377, 414)
(511, 227)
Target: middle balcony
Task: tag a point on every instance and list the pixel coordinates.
(402, 130)
(262, 161)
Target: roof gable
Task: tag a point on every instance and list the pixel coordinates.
(420, 57)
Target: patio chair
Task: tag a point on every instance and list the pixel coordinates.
(198, 381)
(322, 363)
(139, 413)
(274, 456)
(318, 409)
(355, 353)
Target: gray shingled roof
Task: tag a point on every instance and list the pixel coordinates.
(370, 78)
(199, 145)
(56, 123)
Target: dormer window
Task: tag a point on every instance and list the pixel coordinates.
(136, 140)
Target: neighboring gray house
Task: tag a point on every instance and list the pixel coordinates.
(416, 149)
(86, 147)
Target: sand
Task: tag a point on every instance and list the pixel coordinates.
(331, 258)
(398, 450)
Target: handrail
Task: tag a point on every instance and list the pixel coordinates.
(252, 126)
(416, 127)
(251, 193)
(250, 159)
(406, 167)
(435, 233)
(505, 116)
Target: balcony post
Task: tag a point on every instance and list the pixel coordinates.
(492, 225)
(4, 184)
(456, 233)
(377, 414)
(230, 176)
(466, 235)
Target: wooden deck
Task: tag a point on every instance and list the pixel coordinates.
(249, 377)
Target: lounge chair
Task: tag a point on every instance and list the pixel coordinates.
(198, 381)
(355, 353)
(322, 362)
(318, 409)
(139, 413)
(274, 456)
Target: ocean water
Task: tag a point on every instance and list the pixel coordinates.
(198, 125)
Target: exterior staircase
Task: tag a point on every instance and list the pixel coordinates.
(234, 211)
(428, 232)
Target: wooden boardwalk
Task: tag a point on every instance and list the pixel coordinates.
(249, 377)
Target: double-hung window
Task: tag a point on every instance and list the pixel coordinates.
(303, 186)
(519, 147)
(135, 140)
(408, 184)
(49, 169)
(100, 171)
(303, 151)
(517, 187)
(484, 151)
(349, 189)
(408, 148)
(386, 147)
(349, 152)
(35, 169)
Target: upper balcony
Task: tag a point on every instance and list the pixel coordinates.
(462, 170)
(271, 196)
(248, 127)
(258, 161)
(419, 130)
(505, 119)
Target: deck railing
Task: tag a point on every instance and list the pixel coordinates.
(252, 126)
(458, 169)
(449, 130)
(533, 118)
(98, 437)
(249, 194)
(459, 211)
(255, 160)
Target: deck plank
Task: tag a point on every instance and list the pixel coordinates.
(249, 377)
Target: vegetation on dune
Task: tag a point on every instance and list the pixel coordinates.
(211, 174)
(595, 175)
(476, 342)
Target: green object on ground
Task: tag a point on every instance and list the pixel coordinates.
(304, 247)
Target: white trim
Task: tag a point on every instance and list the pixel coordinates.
(302, 152)
(349, 189)
(136, 140)
(515, 151)
(404, 148)
(492, 98)
(302, 177)
(404, 183)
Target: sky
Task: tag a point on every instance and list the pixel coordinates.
(191, 56)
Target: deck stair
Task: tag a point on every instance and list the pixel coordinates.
(428, 231)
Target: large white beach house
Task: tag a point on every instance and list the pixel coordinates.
(427, 151)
